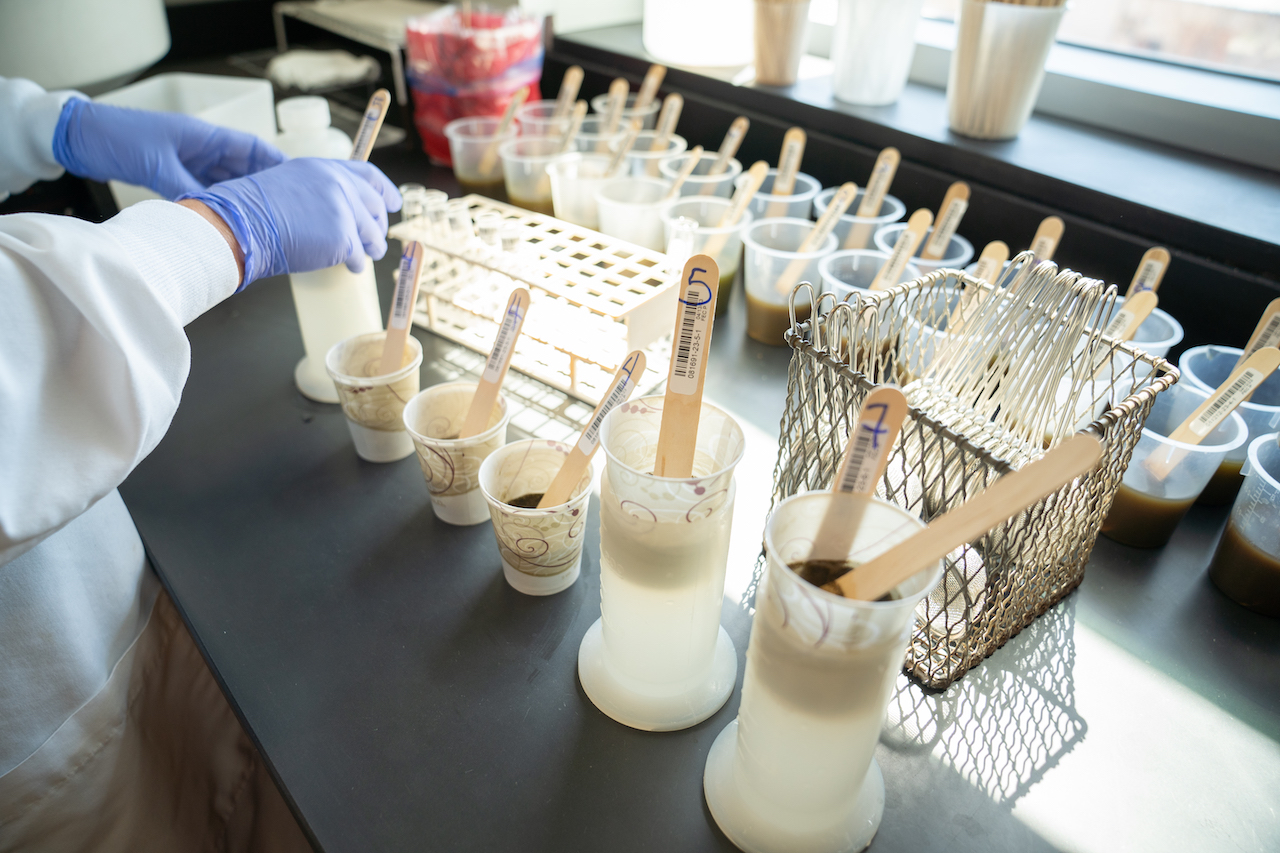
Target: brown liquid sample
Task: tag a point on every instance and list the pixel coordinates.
(1224, 484)
(1247, 575)
(824, 573)
(496, 190)
(537, 205)
(722, 292)
(529, 501)
(1142, 521)
(767, 322)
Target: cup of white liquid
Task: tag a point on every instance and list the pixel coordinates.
(373, 401)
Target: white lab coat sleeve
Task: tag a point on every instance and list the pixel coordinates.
(28, 116)
(93, 355)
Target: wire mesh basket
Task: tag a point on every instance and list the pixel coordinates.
(997, 585)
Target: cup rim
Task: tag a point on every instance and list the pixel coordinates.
(453, 130)
(507, 149)
(454, 442)
(1255, 465)
(558, 163)
(604, 446)
(827, 247)
(808, 195)
(825, 263)
(958, 259)
(1242, 431)
(743, 223)
(1197, 382)
(381, 379)
(824, 197)
(532, 511)
(668, 168)
(676, 144)
(628, 106)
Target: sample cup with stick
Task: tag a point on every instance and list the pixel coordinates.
(643, 160)
(575, 179)
(958, 253)
(699, 182)
(708, 211)
(795, 771)
(795, 204)
(1246, 566)
(891, 210)
(849, 271)
(593, 139)
(474, 145)
(648, 114)
(371, 401)
(524, 169)
(771, 246)
(1157, 335)
(541, 549)
(537, 119)
(451, 465)
(631, 209)
(657, 659)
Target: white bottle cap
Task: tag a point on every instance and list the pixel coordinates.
(302, 114)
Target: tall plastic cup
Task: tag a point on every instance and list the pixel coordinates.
(959, 251)
(871, 49)
(1246, 566)
(470, 141)
(771, 248)
(657, 659)
(373, 402)
(708, 211)
(631, 209)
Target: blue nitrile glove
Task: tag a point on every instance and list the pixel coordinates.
(168, 153)
(306, 214)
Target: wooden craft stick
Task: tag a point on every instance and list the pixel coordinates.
(1000, 501)
(903, 250)
(817, 236)
(1265, 334)
(1045, 243)
(617, 102)
(649, 88)
(746, 191)
(370, 123)
(667, 120)
(784, 182)
(1131, 314)
(489, 159)
(682, 406)
(954, 205)
(624, 382)
(882, 174)
(990, 264)
(1150, 271)
(402, 304)
(575, 125)
(729, 146)
(570, 83)
(695, 156)
(495, 369)
(624, 148)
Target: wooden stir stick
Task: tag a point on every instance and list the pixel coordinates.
(570, 83)
(1045, 243)
(729, 146)
(682, 405)
(616, 103)
(903, 250)
(667, 120)
(1131, 315)
(882, 173)
(649, 88)
(685, 171)
(784, 182)
(1150, 271)
(817, 236)
(1265, 334)
(1000, 501)
(624, 148)
(370, 123)
(495, 369)
(490, 157)
(575, 125)
(746, 191)
(402, 303)
(624, 382)
(954, 205)
(988, 269)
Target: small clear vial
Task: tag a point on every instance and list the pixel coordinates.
(460, 221)
(436, 207)
(413, 202)
(488, 225)
(680, 247)
(511, 237)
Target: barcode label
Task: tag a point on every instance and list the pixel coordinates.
(1148, 275)
(400, 306)
(1119, 323)
(1043, 248)
(790, 163)
(876, 187)
(591, 435)
(1222, 406)
(986, 270)
(1270, 336)
(892, 270)
(364, 136)
(940, 239)
(691, 337)
(864, 454)
(502, 345)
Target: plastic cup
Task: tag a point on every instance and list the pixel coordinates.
(891, 210)
(1246, 566)
(575, 180)
(699, 182)
(535, 119)
(1157, 334)
(707, 211)
(873, 43)
(1207, 367)
(450, 465)
(1148, 507)
(524, 169)
(796, 205)
(771, 247)
(541, 549)
(649, 115)
(592, 139)
(643, 161)
(373, 402)
(924, 333)
(795, 771)
(848, 271)
(657, 659)
(469, 140)
(631, 209)
(958, 254)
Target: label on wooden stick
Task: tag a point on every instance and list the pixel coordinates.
(696, 300)
(406, 281)
(1226, 402)
(591, 435)
(505, 341)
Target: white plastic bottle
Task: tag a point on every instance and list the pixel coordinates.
(333, 304)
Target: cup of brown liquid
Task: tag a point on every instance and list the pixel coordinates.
(1246, 566)
(771, 248)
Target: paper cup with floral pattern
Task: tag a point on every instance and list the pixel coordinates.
(541, 549)
(451, 465)
(373, 402)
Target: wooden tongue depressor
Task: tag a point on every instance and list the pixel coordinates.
(489, 159)
(865, 457)
(624, 148)
(649, 88)
(746, 191)
(954, 205)
(624, 382)
(1003, 499)
(1045, 243)
(882, 173)
(617, 102)
(1150, 271)
(570, 83)
(903, 250)
(495, 368)
(682, 405)
(575, 124)
(817, 235)
(667, 121)
(1131, 314)
(1265, 334)
(729, 146)
(695, 156)
(988, 269)
(370, 123)
(784, 183)
(402, 303)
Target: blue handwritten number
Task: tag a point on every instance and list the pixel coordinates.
(877, 430)
(629, 366)
(692, 281)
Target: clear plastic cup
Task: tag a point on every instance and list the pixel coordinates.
(649, 115)
(873, 43)
(575, 180)
(707, 211)
(699, 182)
(766, 205)
(1157, 334)
(1246, 566)
(524, 169)
(469, 140)
(592, 139)
(1148, 506)
(373, 402)
(535, 119)
(1207, 367)
(848, 271)
(770, 250)
(891, 210)
(795, 771)
(642, 160)
(451, 465)
(924, 333)
(958, 254)
(657, 659)
(631, 209)
(541, 549)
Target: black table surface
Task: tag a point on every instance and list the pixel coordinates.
(406, 698)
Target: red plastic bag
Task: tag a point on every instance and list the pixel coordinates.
(459, 68)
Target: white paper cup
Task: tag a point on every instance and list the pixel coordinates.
(373, 402)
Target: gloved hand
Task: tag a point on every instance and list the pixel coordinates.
(168, 153)
(306, 214)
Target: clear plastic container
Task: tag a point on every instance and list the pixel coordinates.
(524, 169)
(470, 139)
(770, 250)
(451, 465)
(891, 210)
(1207, 367)
(1157, 334)
(643, 161)
(657, 659)
(699, 182)
(796, 770)
(766, 205)
(958, 254)
(1246, 566)
(592, 139)
(541, 549)
(848, 271)
(1148, 506)
(648, 115)
(631, 209)
(535, 119)
(413, 202)
(372, 402)
(872, 46)
(575, 180)
(707, 211)
(924, 333)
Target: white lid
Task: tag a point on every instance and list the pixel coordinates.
(304, 113)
